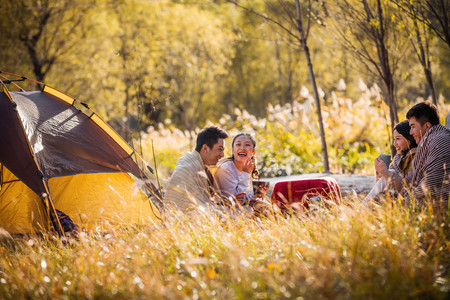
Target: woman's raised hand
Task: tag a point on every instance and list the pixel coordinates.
(248, 166)
(380, 166)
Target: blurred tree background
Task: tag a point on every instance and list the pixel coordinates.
(180, 64)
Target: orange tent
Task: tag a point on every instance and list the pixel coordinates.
(57, 154)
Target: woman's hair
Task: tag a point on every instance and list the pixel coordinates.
(403, 128)
(247, 135)
(255, 172)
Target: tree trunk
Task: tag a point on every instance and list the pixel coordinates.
(386, 72)
(430, 82)
(424, 59)
(389, 88)
(392, 103)
(31, 43)
(393, 113)
(127, 115)
(326, 167)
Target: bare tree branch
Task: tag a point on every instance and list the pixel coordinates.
(266, 18)
(300, 36)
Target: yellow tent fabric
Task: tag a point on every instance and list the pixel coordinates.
(90, 200)
(101, 199)
(22, 210)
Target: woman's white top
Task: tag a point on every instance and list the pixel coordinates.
(380, 185)
(229, 181)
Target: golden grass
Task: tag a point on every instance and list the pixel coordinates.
(348, 252)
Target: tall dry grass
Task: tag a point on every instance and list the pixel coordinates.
(348, 252)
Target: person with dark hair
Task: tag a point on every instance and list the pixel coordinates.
(406, 148)
(234, 175)
(191, 184)
(429, 176)
(424, 112)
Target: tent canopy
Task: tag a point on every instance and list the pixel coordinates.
(66, 157)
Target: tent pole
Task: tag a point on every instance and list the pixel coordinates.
(54, 219)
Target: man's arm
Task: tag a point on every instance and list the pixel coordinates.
(432, 183)
(185, 190)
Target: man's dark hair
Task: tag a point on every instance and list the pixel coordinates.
(424, 112)
(210, 136)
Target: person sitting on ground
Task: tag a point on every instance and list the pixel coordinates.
(233, 179)
(406, 148)
(191, 185)
(447, 120)
(429, 176)
(234, 175)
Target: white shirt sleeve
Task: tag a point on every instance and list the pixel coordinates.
(231, 182)
(377, 189)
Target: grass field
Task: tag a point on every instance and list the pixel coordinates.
(347, 252)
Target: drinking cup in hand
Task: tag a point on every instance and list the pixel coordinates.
(386, 158)
(260, 188)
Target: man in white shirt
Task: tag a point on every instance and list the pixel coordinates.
(190, 187)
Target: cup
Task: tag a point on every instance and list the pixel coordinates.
(260, 188)
(386, 158)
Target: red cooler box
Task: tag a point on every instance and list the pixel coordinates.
(287, 192)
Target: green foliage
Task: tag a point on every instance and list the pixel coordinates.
(287, 137)
(194, 60)
(139, 62)
(191, 63)
(38, 34)
(355, 156)
(167, 145)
